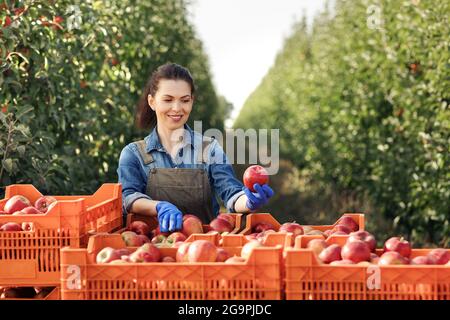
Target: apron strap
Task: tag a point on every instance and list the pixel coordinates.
(147, 157)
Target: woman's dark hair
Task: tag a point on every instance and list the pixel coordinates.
(145, 116)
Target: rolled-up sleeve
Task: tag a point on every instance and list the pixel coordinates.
(226, 185)
(132, 177)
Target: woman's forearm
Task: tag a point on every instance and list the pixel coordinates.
(144, 207)
(240, 206)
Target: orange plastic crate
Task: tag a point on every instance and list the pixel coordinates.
(32, 258)
(306, 278)
(82, 278)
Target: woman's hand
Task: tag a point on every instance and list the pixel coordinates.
(169, 216)
(256, 200)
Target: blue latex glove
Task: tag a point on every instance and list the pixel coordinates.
(256, 200)
(170, 217)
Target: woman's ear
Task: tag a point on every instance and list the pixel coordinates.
(151, 101)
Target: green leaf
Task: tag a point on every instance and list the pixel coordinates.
(3, 119)
(8, 165)
(24, 112)
(21, 150)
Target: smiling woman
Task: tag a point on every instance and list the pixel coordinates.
(174, 170)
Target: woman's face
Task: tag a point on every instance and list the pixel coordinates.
(172, 103)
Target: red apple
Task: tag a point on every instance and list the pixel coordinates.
(16, 203)
(317, 245)
(441, 256)
(356, 251)
(292, 227)
(255, 174)
(251, 236)
(106, 255)
(365, 236)
(391, 258)
(176, 237)
(422, 260)
(338, 233)
(202, 251)
(227, 217)
(177, 244)
(235, 259)
(168, 259)
(131, 239)
(139, 227)
(341, 228)
(158, 232)
(146, 253)
(248, 248)
(330, 254)
(222, 255)
(221, 225)
(122, 252)
(11, 226)
(398, 245)
(182, 252)
(158, 239)
(43, 203)
(262, 226)
(125, 258)
(143, 238)
(31, 210)
(341, 262)
(349, 222)
(262, 236)
(191, 225)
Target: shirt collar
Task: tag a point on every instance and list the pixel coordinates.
(153, 142)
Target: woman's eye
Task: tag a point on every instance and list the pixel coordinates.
(186, 101)
(167, 100)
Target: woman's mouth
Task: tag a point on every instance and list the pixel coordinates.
(175, 118)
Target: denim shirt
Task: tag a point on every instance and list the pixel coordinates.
(133, 173)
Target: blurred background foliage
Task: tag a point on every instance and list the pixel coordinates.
(71, 73)
(362, 103)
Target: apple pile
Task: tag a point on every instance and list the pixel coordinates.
(145, 253)
(190, 252)
(20, 205)
(261, 230)
(360, 249)
(223, 224)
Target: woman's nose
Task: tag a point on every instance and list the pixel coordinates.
(177, 105)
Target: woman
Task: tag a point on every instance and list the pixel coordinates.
(174, 170)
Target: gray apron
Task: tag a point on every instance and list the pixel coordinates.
(188, 189)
